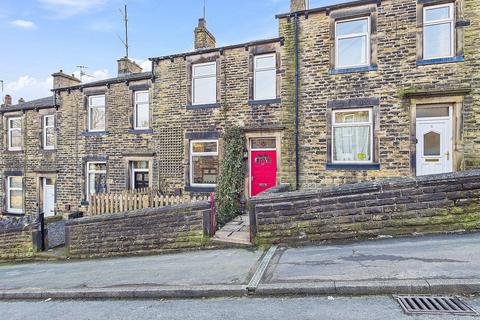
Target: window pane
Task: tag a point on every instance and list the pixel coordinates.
(96, 183)
(437, 14)
(204, 70)
(432, 112)
(265, 62)
(97, 167)
(205, 169)
(16, 182)
(205, 90)
(96, 101)
(16, 199)
(265, 85)
(264, 143)
(141, 97)
(438, 40)
(204, 147)
(431, 144)
(48, 121)
(352, 144)
(140, 180)
(352, 27)
(352, 52)
(97, 118)
(140, 164)
(49, 136)
(142, 116)
(16, 136)
(352, 117)
(16, 123)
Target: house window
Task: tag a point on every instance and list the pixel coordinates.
(352, 43)
(48, 132)
(96, 178)
(265, 77)
(14, 134)
(15, 194)
(204, 86)
(352, 136)
(96, 113)
(204, 163)
(438, 31)
(139, 175)
(142, 110)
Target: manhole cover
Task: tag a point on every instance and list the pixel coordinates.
(435, 305)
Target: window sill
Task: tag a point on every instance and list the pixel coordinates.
(440, 61)
(199, 189)
(13, 151)
(94, 134)
(353, 166)
(267, 101)
(140, 131)
(203, 106)
(13, 214)
(353, 70)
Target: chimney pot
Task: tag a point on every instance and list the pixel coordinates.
(21, 100)
(203, 38)
(8, 100)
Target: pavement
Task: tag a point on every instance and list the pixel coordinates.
(309, 308)
(236, 231)
(441, 264)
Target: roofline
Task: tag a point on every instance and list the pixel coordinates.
(13, 109)
(141, 76)
(234, 46)
(327, 8)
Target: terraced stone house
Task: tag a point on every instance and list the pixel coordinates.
(351, 92)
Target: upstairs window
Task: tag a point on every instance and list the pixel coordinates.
(15, 195)
(352, 43)
(14, 134)
(48, 136)
(204, 163)
(96, 113)
(96, 178)
(352, 136)
(142, 110)
(439, 31)
(204, 83)
(265, 77)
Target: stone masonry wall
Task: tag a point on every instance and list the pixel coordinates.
(394, 207)
(15, 239)
(148, 231)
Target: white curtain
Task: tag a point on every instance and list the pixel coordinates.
(352, 143)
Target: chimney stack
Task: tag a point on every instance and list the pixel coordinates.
(127, 66)
(298, 5)
(8, 100)
(203, 38)
(62, 80)
(21, 100)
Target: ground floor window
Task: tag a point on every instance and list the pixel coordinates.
(140, 175)
(15, 194)
(352, 136)
(204, 163)
(96, 178)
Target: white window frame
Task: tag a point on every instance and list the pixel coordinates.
(256, 69)
(450, 20)
(133, 170)
(355, 124)
(135, 111)
(10, 130)
(88, 171)
(90, 107)
(9, 189)
(45, 127)
(350, 36)
(194, 77)
(200, 154)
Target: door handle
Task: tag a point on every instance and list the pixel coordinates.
(448, 155)
(262, 185)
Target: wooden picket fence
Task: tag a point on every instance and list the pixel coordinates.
(133, 200)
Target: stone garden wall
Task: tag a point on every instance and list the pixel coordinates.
(142, 232)
(16, 239)
(393, 207)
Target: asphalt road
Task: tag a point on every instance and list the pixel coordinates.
(324, 308)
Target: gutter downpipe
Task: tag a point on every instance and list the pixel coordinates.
(297, 102)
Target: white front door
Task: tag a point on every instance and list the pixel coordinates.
(434, 145)
(48, 197)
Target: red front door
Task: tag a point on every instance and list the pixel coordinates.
(263, 166)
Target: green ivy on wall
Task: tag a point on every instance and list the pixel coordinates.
(231, 181)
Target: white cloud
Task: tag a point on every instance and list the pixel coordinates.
(69, 8)
(25, 24)
(146, 65)
(94, 76)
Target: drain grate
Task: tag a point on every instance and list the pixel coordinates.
(435, 305)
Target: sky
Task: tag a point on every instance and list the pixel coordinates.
(40, 37)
